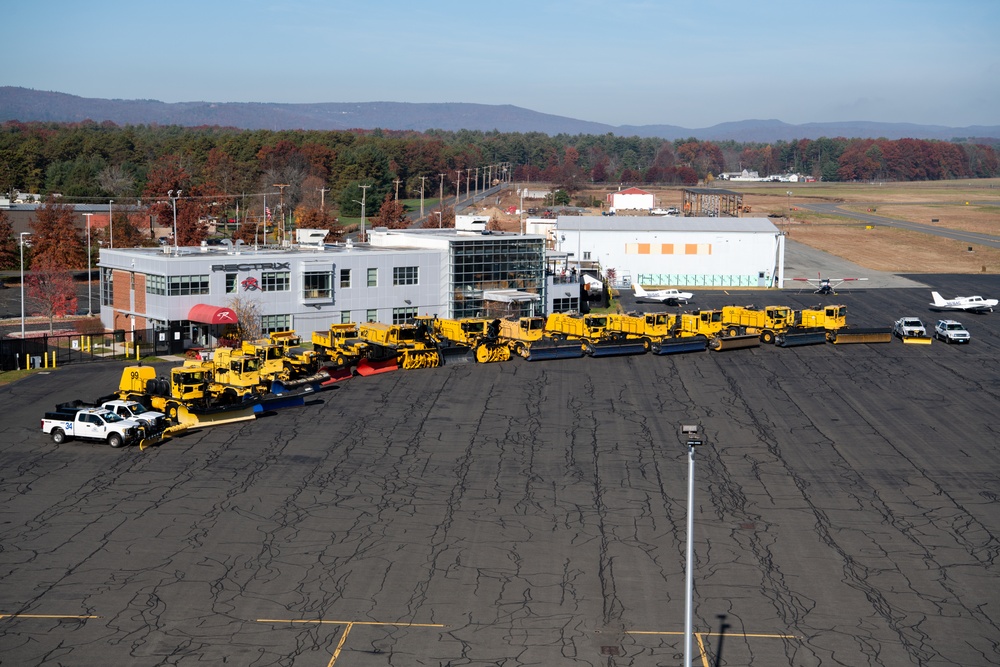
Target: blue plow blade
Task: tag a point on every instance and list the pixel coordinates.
(679, 345)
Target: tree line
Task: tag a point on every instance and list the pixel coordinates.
(217, 172)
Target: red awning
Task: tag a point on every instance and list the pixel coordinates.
(207, 314)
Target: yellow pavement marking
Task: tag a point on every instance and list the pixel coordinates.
(69, 616)
(347, 630)
(701, 644)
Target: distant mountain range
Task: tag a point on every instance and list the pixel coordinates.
(24, 104)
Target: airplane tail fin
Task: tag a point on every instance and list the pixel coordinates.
(938, 300)
(637, 288)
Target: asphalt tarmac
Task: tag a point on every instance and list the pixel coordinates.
(533, 513)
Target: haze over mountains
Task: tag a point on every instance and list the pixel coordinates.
(26, 105)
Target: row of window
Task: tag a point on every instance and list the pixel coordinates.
(315, 284)
(269, 323)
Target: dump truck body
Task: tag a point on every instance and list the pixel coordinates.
(766, 323)
(594, 334)
(341, 345)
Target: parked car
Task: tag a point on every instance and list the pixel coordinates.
(951, 331)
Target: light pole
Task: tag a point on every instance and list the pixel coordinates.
(173, 201)
(111, 225)
(90, 291)
(422, 179)
(689, 432)
(788, 193)
(364, 193)
(22, 235)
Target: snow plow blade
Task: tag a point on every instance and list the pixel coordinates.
(335, 375)
(366, 367)
(680, 344)
(161, 436)
(214, 416)
(456, 355)
(917, 340)
(614, 349)
(547, 352)
(874, 335)
(801, 336)
(719, 344)
(281, 401)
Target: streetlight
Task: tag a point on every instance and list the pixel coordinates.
(789, 197)
(22, 235)
(364, 193)
(90, 304)
(692, 439)
(173, 200)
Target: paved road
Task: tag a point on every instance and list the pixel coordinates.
(531, 514)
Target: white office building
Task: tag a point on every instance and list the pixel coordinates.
(188, 296)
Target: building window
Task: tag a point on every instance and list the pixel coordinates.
(345, 278)
(402, 315)
(156, 285)
(269, 323)
(371, 315)
(373, 277)
(404, 275)
(345, 317)
(107, 286)
(230, 283)
(565, 305)
(586, 255)
(275, 281)
(187, 285)
(317, 285)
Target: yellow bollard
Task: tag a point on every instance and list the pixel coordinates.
(53, 358)
(45, 363)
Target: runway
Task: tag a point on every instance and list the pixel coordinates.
(533, 513)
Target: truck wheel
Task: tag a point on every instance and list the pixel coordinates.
(58, 436)
(732, 331)
(115, 440)
(767, 336)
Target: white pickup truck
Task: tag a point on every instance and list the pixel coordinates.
(152, 422)
(95, 424)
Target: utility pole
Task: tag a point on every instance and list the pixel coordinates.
(322, 198)
(441, 194)
(397, 182)
(468, 175)
(364, 193)
(477, 182)
(281, 205)
(458, 190)
(422, 179)
(111, 225)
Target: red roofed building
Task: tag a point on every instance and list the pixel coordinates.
(631, 199)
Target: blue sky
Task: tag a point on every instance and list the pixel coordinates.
(692, 63)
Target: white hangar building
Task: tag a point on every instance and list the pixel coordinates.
(697, 252)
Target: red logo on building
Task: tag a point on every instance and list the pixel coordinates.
(250, 284)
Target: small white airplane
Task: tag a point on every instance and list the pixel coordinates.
(827, 285)
(671, 297)
(969, 304)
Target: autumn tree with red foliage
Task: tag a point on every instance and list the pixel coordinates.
(391, 215)
(51, 293)
(55, 240)
(10, 254)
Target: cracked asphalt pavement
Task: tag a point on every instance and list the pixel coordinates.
(533, 513)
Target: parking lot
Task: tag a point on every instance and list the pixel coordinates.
(534, 513)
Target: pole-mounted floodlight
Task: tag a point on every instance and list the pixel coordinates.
(691, 435)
